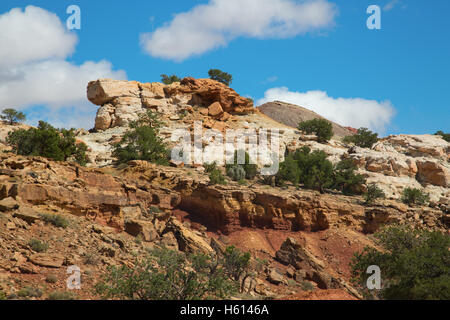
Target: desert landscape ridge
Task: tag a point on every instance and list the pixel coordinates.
(115, 213)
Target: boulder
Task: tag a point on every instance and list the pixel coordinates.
(102, 91)
(215, 110)
(188, 241)
(8, 204)
(47, 260)
(27, 214)
(275, 276)
(433, 173)
(146, 229)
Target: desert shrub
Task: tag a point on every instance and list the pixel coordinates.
(242, 182)
(91, 259)
(38, 246)
(306, 286)
(316, 171)
(62, 296)
(373, 193)
(235, 262)
(55, 219)
(12, 116)
(345, 178)
(415, 264)
(322, 128)
(210, 167)
(288, 171)
(445, 136)
(2, 295)
(51, 278)
(413, 196)
(141, 141)
(216, 177)
(169, 275)
(48, 142)
(169, 79)
(236, 173)
(364, 138)
(313, 169)
(218, 75)
(29, 292)
(251, 170)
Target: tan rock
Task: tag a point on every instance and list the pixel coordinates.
(145, 229)
(215, 110)
(433, 173)
(103, 120)
(188, 241)
(8, 204)
(103, 91)
(27, 214)
(47, 260)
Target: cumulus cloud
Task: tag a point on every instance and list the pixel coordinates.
(353, 112)
(34, 46)
(213, 25)
(391, 4)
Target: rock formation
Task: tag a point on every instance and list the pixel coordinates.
(122, 101)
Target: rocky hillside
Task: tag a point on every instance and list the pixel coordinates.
(394, 163)
(108, 215)
(291, 115)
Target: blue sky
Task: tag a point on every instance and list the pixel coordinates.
(405, 66)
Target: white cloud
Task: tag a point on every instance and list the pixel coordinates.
(390, 5)
(31, 35)
(213, 25)
(34, 46)
(353, 112)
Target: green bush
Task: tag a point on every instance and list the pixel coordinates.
(373, 193)
(12, 116)
(235, 262)
(346, 180)
(288, 171)
(313, 169)
(322, 128)
(364, 138)
(48, 142)
(216, 177)
(415, 265)
(412, 196)
(210, 167)
(251, 170)
(170, 275)
(29, 292)
(242, 182)
(51, 278)
(2, 295)
(445, 136)
(236, 173)
(223, 77)
(61, 296)
(169, 79)
(316, 171)
(38, 246)
(55, 219)
(142, 142)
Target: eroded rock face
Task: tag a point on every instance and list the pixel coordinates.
(122, 101)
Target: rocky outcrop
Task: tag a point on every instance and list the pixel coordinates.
(120, 198)
(122, 101)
